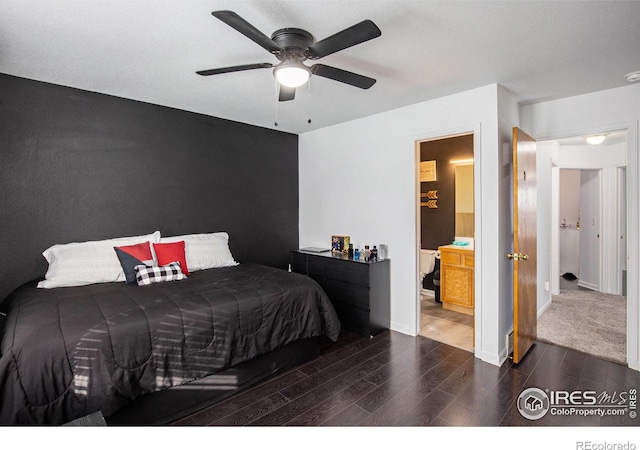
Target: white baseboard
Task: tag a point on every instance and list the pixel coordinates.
(496, 360)
(586, 285)
(400, 328)
(544, 308)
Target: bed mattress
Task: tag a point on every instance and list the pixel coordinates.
(70, 352)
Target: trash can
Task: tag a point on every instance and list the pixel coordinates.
(436, 280)
(432, 281)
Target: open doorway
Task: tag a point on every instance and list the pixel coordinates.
(579, 240)
(446, 223)
(586, 308)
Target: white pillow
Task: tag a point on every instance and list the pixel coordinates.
(205, 250)
(81, 263)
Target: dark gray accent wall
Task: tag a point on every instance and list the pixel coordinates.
(438, 225)
(77, 165)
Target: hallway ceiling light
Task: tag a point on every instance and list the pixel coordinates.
(633, 76)
(596, 139)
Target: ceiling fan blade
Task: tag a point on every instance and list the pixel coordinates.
(286, 93)
(348, 37)
(239, 24)
(343, 76)
(234, 69)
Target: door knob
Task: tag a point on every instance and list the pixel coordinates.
(517, 256)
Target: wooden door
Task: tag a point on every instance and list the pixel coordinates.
(525, 309)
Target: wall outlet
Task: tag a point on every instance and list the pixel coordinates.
(546, 286)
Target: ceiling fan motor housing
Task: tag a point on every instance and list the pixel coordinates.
(293, 42)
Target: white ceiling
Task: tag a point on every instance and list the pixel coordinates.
(149, 50)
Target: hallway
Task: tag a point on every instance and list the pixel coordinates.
(587, 321)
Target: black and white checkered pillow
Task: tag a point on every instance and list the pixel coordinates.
(154, 274)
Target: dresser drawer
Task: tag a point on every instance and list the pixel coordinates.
(298, 263)
(347, 271)
(353, 318)
(339, 291)
(315, 266)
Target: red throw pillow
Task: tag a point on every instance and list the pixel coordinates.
(170, 252)
(140, 251)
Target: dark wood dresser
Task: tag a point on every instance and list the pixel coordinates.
(359, 290)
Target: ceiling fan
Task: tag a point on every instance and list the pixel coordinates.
(293, 46)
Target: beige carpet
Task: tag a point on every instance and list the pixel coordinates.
(588, 321)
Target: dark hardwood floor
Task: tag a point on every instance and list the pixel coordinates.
(399, 380)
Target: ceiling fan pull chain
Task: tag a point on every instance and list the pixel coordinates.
(309, 99)
(277, 101)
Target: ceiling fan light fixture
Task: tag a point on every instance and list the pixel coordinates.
(292, 73)
(596, 139)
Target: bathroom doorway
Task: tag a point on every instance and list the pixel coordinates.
(446, 222)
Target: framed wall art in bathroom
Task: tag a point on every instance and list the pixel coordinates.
(427, 171)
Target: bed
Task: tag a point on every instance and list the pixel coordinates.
(150, 353)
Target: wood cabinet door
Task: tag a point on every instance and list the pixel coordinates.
(457, 285)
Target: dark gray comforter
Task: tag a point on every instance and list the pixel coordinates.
(68, 352)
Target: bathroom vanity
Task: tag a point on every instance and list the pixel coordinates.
(456, 278)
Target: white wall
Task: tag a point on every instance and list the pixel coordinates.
(359, 178)
(609, 110)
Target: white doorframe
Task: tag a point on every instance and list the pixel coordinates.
(622, 225)
(555, 231)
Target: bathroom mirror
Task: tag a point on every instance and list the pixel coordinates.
(464, 200)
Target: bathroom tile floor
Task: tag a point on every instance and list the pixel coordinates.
(448, 327)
